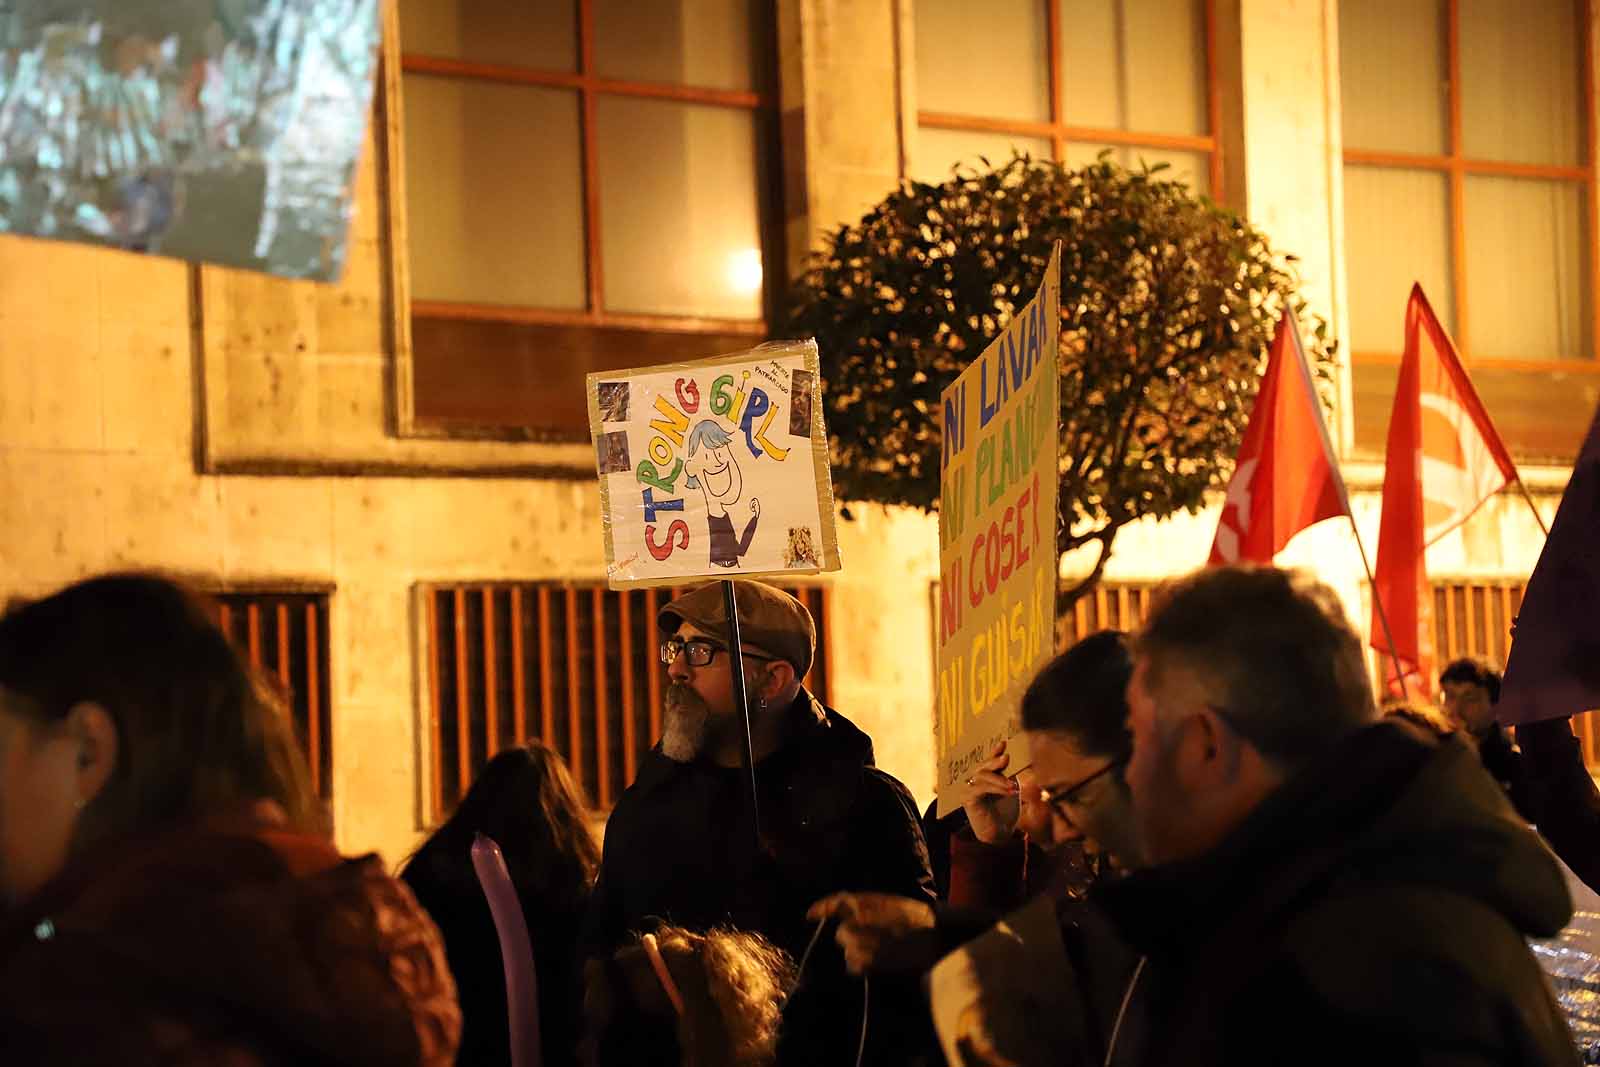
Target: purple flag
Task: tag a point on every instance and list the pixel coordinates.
(1554, 666)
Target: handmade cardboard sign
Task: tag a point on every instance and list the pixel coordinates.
(219, 130)
(997, 538)
(714, 469)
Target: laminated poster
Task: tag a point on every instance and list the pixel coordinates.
(716, 468)
(226, 131)
(998, 567)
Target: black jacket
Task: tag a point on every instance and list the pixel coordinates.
(680, 847)
(1372, 910)
(448, 889)
(1506, 765)
(1565, 803)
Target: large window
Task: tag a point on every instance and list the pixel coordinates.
(584, 191)
(1067, 80)
(575, 666)
(1470, 167)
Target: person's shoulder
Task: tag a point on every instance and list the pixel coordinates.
(1405, 953)
(884, 799)
(883, 787)
(656, 772)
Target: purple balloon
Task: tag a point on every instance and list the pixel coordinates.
(516, 949)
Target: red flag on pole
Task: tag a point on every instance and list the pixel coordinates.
(1443, 460)
(1285, 478)
(1554, 666)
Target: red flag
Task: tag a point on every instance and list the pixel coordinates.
(1443, 461)
(1285, 478)
(1554, 667)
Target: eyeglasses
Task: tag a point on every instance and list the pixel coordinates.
(1060, 800)
(699, 651)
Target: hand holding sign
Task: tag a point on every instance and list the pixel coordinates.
(991, 803)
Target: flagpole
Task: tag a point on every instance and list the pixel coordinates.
(1532, 506)
(1377, 602)
(1344, 498)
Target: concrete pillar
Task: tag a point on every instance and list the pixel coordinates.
(844, 113)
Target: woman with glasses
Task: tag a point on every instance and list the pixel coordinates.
(1045, 984)
(1050, 983)
(1075, 717)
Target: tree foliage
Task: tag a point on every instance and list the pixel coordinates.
(1168, 304)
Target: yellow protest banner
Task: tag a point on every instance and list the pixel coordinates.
(997, 538)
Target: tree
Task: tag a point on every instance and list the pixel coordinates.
(1168, 304)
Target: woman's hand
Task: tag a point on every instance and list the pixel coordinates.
(991, 802)
(1034, 818)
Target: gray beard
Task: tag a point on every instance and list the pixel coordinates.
(684, 728)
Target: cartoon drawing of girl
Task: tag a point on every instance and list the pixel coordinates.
(713, 470)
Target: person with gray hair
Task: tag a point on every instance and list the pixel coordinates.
(1324, 887)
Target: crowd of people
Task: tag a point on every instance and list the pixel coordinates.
(1222, 851)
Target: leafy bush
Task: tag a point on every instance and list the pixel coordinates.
(1168, 304)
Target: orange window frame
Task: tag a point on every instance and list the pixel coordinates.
(590, 87)
(1060, 133)
(1457, 166)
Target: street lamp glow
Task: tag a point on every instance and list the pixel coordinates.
(744, 271)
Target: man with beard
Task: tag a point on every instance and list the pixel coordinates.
(1325, 888)
(680, 845)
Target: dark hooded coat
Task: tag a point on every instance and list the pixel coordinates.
(1372, 910)
(680, 848)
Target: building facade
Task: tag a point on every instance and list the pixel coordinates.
(388, 479)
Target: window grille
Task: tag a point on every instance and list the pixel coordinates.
(1470, 619)
(1108, 606)
(574, 665)
(284, 635)
(1474, 619)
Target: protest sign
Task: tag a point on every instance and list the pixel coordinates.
(997, 538)
(219, 130)
(714, 469)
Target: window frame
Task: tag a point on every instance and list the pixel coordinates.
(1060, 133)
(1457, 167)
(762, 102)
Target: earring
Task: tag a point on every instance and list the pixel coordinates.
(80, 804)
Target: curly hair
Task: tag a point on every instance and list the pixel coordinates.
(733, 985)
(749, 978)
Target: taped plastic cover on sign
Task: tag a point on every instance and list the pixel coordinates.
(716, 468)
(219, 130)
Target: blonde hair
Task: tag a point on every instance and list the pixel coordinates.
(749, 978)
(733, 985)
